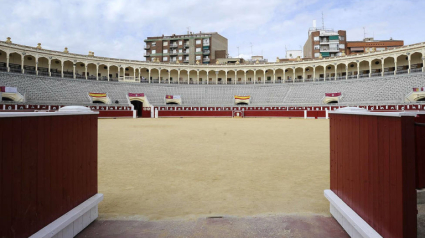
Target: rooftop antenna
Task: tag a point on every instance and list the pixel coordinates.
(323, 21)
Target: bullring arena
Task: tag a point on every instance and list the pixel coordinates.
(206, 150)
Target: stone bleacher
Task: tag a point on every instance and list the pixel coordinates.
(51, 90)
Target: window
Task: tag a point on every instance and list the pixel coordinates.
(180, 42)
(198, 57)
(165, 51)
(180, 57)
(198, 42)
(164, 58)
(316, 55)
(342, 46)
(316, 38)
(206, 41)
(153, 43)
(180, 50)
(153, 52)
(317, 47)
(165, 43)
(187, 51)
(341, 38)
(198, 49)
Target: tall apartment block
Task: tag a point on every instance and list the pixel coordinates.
(325, 43)
(191, 48)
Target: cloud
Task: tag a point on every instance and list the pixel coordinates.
(117, 28)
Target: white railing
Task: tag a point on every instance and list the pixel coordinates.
(128, 79)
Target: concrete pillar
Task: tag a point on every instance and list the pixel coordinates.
(97, 72)
(408, 70)
(423, 63)
(395, 66)
(119, 69)
(50, 63)
(169, 76)
(197, 76)
(36, 66)
(346, 72)
(7, 62)
(62, 69)
(108, 72)
(255, 72)
(207, 78)
(383, 68)
(274, 76)
(236, 76)
(358, 69)
(86, 72)
(324, 73)
(314, 73)
(216, 77)
(244, 75)
(264, 79)
(293, 75)
(303, 74)
(159, 76)
(149, 75)
(188, 77)
(178, 76)
(22, 63)
(370, 69)
(225, 78)
(74, 65)
(134, 74)
(284, 75)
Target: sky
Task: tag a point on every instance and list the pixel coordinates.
(117, 28)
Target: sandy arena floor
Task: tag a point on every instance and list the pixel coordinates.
(155, 169)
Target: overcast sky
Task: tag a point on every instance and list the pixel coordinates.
(117, 28)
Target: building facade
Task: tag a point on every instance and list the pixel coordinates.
(323, 43)
(38, 61)
(201, 48)
(371, 45)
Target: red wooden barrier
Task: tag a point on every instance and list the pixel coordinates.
(420, 151)
(194, 113)
(48, 166)
(372, 170)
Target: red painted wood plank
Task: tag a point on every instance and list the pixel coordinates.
(43, 168)
(29, 174)
(409, 222)
(6, 182)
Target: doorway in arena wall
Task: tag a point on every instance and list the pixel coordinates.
(138, 106)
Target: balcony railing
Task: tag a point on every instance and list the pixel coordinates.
(186, 52)
(328, 49)
(146, 54)
(206, 44)
(206, 52)
(173, 52)
(128, 79)
(186, 45)
(206, 59)
(173, 45)
(147, 47)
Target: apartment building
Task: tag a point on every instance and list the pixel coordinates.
(190, 48)
(371, 45)
(324, 43)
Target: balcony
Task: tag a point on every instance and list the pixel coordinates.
(206, 44)
(186, 45)
(147, 47)
(173, 45)
(206, 60)
(206, 52)
(147, 54)
(173, 52)
(186, 61)
(186, 52)
(330, 49)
